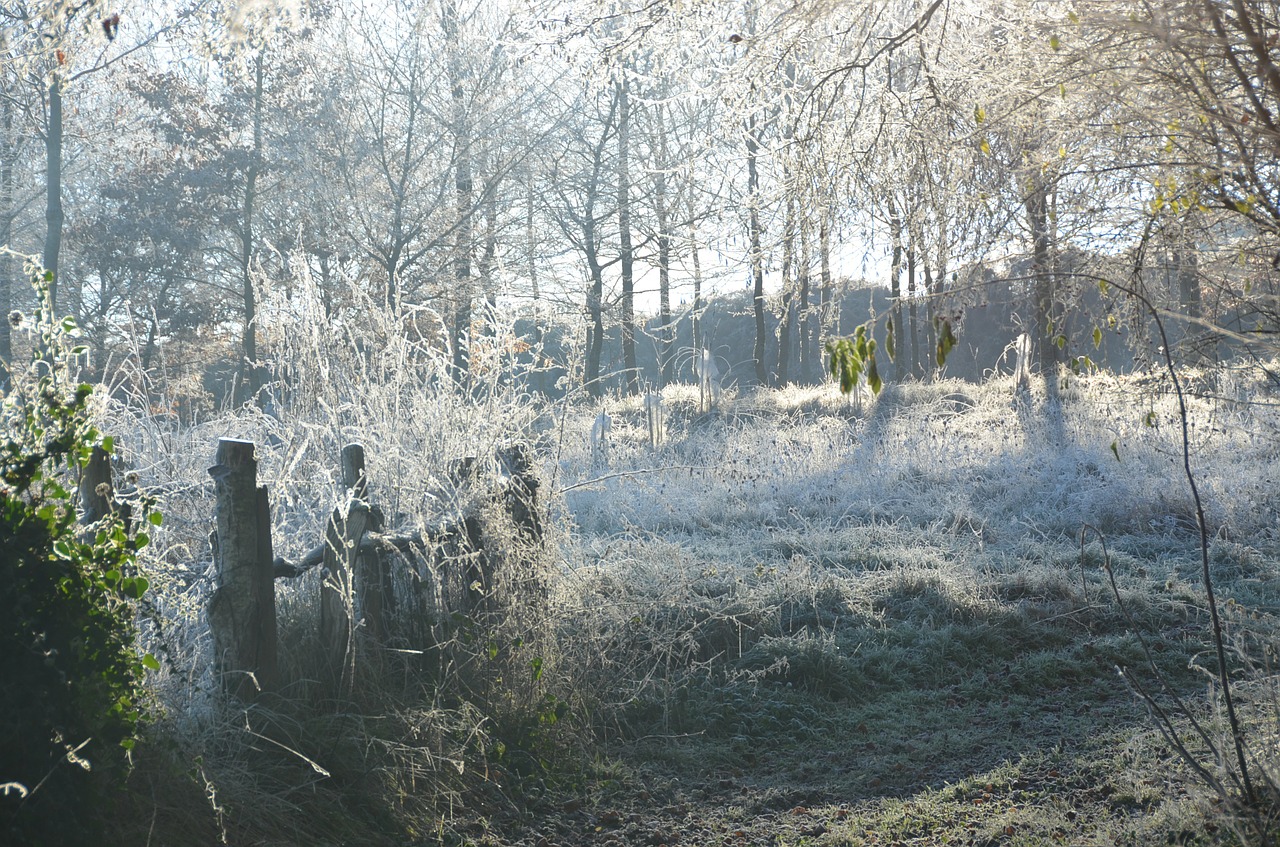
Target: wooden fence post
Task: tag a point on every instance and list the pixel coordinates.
(372, 573)
(242, 611)
(342, 539)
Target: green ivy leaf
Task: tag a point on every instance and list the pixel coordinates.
(150, 662)
(1097, 338)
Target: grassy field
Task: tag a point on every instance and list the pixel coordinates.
(806, 622)
(801, 619)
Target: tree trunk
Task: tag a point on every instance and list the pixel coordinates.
(913, 316)
(666, 332)
(1186, 267)
(626, 254)
(827, 319)
(488, 255)
(697, 289)
(53, 215)
(1048, 323)
(595, 311)
(531, 241)
(787, 324)
(930, 362)
(807, 331)
(463, 189)
(895, 292)
(249, 381)
(757, 255)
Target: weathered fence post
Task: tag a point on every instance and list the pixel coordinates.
(372, 574)
(600, 440)
(242, 611)
(657, 425)
(343, 535)
(522, 492)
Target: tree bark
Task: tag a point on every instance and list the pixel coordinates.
(913, 314)
(757, 255)
(787, 324)
(663, 215)
(697, 289)
(595, 302)
(895, 291)
(826, 310)
(463, 189)
(249, 381)
(531, 242)
(1048, 323)
(489, 253)
(53, 214)
(808, 335)
(626, 252)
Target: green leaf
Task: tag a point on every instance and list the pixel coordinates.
(1115, 450)
(946, 340)
(155, 519)
(1061, 341)
(141, 540)
(890, 343)
(1073, 17)
(68, 324)
(984, 147)
(1150, 419)
(109, 444)
(979, 114)
(1054, 42)
(873, 377)
(536, 665)
(1097, 338)
(150, 662)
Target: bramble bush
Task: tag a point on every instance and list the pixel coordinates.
(72, 699)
